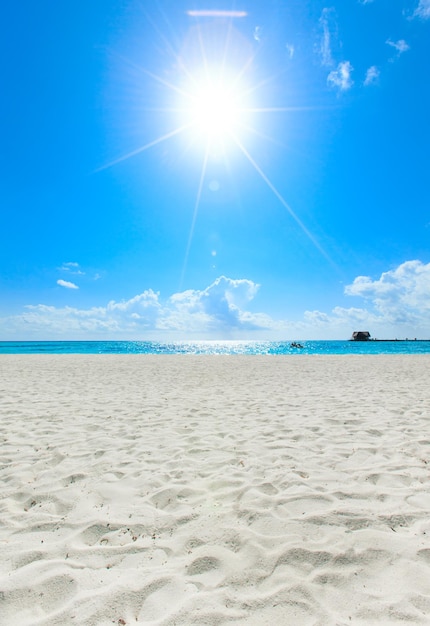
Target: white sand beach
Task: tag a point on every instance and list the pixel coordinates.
(240, 490)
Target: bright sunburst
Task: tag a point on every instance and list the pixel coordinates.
(217, 107)
(212, 103)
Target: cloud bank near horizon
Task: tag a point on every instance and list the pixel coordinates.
(396, 304)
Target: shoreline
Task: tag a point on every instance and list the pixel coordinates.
(220, 348)
(153, 489)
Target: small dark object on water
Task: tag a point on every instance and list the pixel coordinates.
(360, 335)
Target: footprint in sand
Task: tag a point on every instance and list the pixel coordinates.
(42, 599)
(202, 565)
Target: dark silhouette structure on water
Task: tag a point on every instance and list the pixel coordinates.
(364, 335)
(360, 335)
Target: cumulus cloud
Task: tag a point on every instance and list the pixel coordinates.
(67, 284)
(218, 310)
(341, 77)
(219, 306)
(400, 46)
(397, 304)
(340, 322)
(423, 9)
(400, 295)
(142, 302)
(372, 76)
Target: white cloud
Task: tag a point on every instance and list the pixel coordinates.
(400, 295)
(290, 49)
(329, 33)
(372, 76)
(257, 33)
(341, 77)
(67, 284)
(423, 9)
(397, 304)
(72, 268)
(340, 322)
(400, 46)
(217, 311)
(219, 306)
(146, 300)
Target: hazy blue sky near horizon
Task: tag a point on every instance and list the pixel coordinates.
(185, 170)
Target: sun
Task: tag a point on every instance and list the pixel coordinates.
(216, 109)
(215, 106)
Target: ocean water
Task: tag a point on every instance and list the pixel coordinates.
(216, 347)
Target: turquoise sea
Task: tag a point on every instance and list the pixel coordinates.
(216, 347)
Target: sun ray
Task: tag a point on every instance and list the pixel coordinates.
(155, 77)
(181, 65)
(143, 148)
(226, 45)
(261, 83)
(282, 200)
(286, 109)
(162, 81)
(258, 133)
(195, 212)
(203, 51)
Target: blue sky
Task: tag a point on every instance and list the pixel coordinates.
(196, 170)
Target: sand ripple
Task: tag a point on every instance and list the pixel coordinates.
(214, 490)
